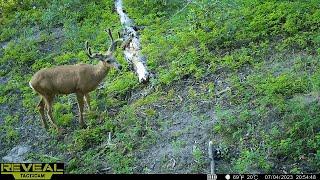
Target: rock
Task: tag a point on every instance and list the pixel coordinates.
(17, 154)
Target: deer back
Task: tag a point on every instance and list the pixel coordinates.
(68, 79)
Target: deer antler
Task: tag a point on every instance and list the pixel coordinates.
(89, 53)
(111, 48)
(110, 34)
(113, 43)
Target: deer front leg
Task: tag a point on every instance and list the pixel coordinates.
(87, 99)
(80, 98)
(41, 107)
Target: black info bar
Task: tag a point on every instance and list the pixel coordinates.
(56, 171)
(181, 176)
(262, 176)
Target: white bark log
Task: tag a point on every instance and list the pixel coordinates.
(132, 49)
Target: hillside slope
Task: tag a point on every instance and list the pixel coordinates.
(244, 74)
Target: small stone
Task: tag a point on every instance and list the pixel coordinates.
(17, 154)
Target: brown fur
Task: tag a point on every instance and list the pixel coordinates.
(79, 79)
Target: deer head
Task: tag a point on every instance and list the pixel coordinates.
(106, 58)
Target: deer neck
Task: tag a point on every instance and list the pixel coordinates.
(101, 71)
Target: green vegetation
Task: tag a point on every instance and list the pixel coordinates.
(266, 52)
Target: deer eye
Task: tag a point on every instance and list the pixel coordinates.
(108, 61)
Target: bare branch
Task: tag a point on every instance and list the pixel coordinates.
(211, 157)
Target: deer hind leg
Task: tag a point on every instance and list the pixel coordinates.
(80, 98)
(87, 99)
(41, 107)
(49, 103)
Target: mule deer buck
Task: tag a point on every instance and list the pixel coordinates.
(79, 79)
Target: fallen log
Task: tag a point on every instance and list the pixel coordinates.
(131, 45)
